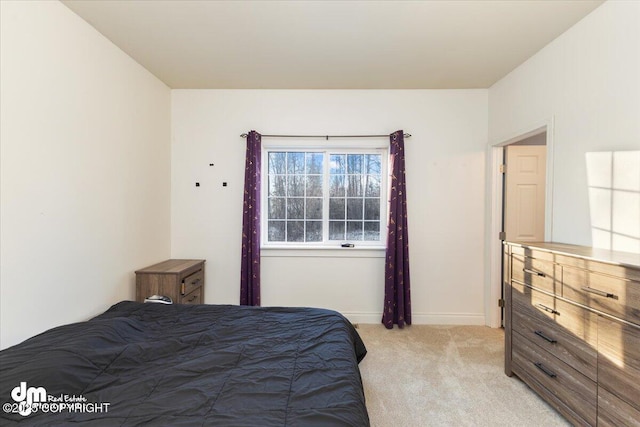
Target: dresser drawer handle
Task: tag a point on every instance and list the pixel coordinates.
(192, 298)
(599, 292)
(195, 282)
(537, 273)
(547, 309)
(544, 337)
(545, 369)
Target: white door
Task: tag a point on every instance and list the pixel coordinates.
(525, 192)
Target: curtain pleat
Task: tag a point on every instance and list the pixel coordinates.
(250, 269)
(397, 294)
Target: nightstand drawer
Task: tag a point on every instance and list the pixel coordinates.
(192, 282)
(194, 297)
(537, 273)
(617, 296)
(568, 385)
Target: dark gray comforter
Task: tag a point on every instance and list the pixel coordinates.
(174, 365)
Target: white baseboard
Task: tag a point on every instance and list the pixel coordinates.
(422, 318)
(371, 318)
(448, 319)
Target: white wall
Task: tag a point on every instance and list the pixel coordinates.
(587, 83)
(85, 170)
(445, 172)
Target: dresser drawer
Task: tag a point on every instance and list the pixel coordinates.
(538, 273)
(617, 296)
(566, 384)
(194, 297)
(618, 270)
(547, 333)
(619, 360)
(192, 282)
(614, 412)
(533, 253)
(574, 319)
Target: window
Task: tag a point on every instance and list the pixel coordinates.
(324, 197)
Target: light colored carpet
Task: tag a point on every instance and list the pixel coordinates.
(445, 376)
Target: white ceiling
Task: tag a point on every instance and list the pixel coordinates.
(331, 44)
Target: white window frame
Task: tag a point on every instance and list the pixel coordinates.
(328, 150)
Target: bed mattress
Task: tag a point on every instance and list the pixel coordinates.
(157, 364)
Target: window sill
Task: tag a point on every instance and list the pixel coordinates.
(323, 252)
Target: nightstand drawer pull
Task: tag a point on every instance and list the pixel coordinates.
(547, 309)
(537, 273)
(195, 282)
(599, 292)
(544, 337)
(545, 370)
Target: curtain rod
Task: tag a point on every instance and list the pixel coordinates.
(406, 135)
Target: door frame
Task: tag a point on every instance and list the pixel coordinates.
(493, 286)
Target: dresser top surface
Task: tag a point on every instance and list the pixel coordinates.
(627, 259)
(171, 266)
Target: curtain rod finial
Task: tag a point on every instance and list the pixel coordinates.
(244, 135)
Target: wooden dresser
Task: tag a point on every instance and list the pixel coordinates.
(182, 280)
(572, 329)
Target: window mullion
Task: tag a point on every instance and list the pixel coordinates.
(325, 197)
(286, 201)
(304, 200)
(347, 181)
(365, 184)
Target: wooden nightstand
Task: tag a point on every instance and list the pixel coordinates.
(182, 280)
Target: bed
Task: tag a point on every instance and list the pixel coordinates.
(157, 364)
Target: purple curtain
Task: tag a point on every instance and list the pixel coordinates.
(250, 270)
(397, 295)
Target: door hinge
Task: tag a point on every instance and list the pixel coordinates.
(501, 302)
(503, 168)
(502, 235)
